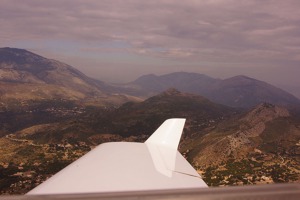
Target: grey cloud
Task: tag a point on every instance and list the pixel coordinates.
(213, 31)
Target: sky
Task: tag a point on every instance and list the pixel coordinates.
(119, 40)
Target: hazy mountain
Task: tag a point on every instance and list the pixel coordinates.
(242, 91)
(238, 91)
(149, 85)
(26, 76)
(21, 66)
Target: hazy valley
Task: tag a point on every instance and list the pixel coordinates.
(238, 131)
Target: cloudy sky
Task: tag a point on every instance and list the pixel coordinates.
(119, 40)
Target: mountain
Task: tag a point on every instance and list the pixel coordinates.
(26, 76)
(235, 138)
(243, 91)
(132, 119)
(21, 66)
(261, 142)
(238, 91)
(227, 146)
(149, 85)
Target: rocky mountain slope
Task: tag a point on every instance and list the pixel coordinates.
(266, 136)
(25, 76)
(235, 138)
(238, 91)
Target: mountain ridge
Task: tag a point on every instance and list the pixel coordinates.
(258, 146)
(33, 77)
(237, 91)
(42, 78)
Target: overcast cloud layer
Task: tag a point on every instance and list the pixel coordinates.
(119, 40)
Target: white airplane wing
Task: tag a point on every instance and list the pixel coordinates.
(128, 166)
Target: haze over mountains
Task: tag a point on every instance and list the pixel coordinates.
(39, 91)
(27, 76)
(238, 91)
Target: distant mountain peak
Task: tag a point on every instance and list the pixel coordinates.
(171, 92)
(32, 77)
(21, 59)
(265, 112)
(10, 49)
(237, 91)
(172, 95)
(242, 77)
(11, 53)
(240, 80)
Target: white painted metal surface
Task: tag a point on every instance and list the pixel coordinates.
(168, 134)
(124, 166)
(250, 192)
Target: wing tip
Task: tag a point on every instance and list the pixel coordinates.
(168, 134)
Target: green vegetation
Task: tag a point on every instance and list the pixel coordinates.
(247, 172)
(34, 164)
(19, 179)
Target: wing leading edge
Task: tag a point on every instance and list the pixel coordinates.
(128, 166)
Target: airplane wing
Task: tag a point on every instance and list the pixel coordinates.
(128, 166)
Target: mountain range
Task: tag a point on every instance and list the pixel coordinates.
(26, 76)
(238, 91)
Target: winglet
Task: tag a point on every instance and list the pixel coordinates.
(168, 134)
